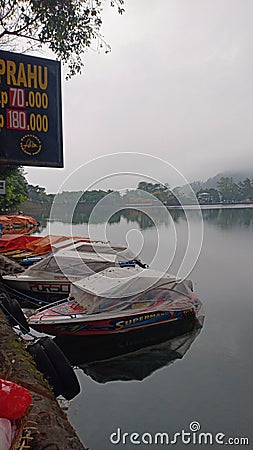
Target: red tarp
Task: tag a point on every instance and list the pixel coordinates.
(9, 242)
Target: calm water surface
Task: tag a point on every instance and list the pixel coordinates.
(154, 390)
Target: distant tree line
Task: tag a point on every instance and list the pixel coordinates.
(18, 190)
(227, 191)
(230, 192)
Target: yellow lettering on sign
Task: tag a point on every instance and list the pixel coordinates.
(29, 75)
(32, 76)
(2, 67)
(3, 98)
(21, 80)
(11, 70)
(43, 84)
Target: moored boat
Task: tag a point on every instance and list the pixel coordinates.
(50, 279)
(12, 222)
(117, 301)
(21, 246)
(15, 244)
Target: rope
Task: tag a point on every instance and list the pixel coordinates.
(27, 296)
(18, 323)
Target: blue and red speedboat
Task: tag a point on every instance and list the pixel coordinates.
(119, 300)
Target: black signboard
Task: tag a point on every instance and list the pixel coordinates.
(30, 111)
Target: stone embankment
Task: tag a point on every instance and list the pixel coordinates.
(46, 425)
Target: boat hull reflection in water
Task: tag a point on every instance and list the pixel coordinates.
(132, 356)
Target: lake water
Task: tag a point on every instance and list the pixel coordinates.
(153, 390)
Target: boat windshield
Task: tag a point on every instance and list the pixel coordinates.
(83, 260)
(120, 253)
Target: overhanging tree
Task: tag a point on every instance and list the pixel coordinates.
(16, 187)
(67, 27)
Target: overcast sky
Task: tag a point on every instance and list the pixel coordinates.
(177, 85)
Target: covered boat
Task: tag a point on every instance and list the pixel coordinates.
(50, 279)
(51, 242)
(30, 249)
(17, 221)
(9, 243)
(119, 300)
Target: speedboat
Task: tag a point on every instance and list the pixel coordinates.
(50, 279)
(118, 300)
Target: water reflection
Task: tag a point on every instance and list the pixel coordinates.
(224, 218)
(229, 218)
(82, 214)
(130, 356)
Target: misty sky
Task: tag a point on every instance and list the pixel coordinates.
(177, 85)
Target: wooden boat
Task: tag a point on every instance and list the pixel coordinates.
(119, 300)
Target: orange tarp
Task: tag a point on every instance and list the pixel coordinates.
(5, 221)
(36, 244)
(46, 244)
(13, 221)
(9, 242)
(21, 219)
